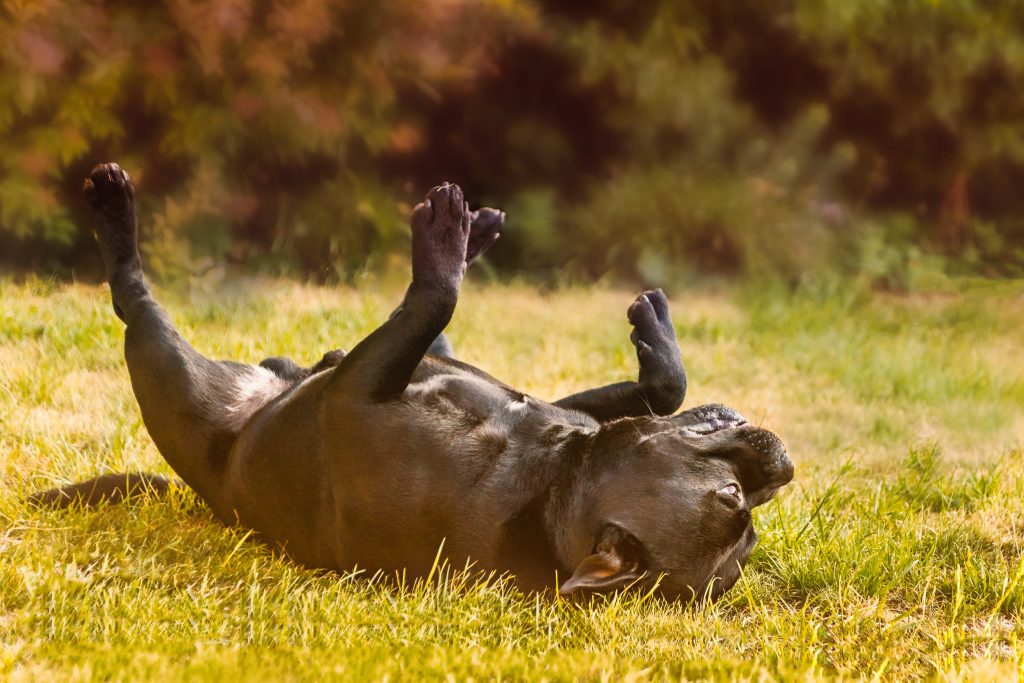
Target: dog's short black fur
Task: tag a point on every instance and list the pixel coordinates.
(375, 457)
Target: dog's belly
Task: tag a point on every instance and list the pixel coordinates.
(276, 478)
(340, 482)
(435, 466)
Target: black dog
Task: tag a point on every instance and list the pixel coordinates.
(375, 457)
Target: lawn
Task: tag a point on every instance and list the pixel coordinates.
(897, 552)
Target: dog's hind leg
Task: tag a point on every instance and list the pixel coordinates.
(193, 407)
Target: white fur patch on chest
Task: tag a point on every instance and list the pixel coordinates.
(254, 388)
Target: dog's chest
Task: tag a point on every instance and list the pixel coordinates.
(469, 397)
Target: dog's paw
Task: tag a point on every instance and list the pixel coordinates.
(331, 359)
(484, 230)
(110, 193)
(108, 189)
(440, 236)
(654, 336)
(652, 326)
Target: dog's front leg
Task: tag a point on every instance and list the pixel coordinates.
(380, 366)
(484, 230)
(661, 386)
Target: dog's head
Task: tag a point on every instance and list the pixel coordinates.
(667, 502)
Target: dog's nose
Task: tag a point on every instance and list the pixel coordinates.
(758, 456)
(779, 470)
(769, 449)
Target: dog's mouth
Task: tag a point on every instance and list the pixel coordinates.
(712, 426)
(709, 419)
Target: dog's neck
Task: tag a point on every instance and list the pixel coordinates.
(571, 533)
(545, 469)
(550, 529)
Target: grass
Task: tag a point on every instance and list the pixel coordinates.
(898, 551)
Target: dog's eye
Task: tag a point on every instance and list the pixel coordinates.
(731, 490)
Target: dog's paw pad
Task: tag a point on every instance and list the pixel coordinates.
(448, 204)
(108, 186)
(441, 228)
(641, 312)
(659, 302)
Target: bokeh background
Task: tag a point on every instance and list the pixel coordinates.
(647, 141)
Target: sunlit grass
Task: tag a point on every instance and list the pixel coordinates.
(898, 551)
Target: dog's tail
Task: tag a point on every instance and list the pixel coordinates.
(113, 488)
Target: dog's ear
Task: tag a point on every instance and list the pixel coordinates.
(617, 561)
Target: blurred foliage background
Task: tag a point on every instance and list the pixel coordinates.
(641, 140)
